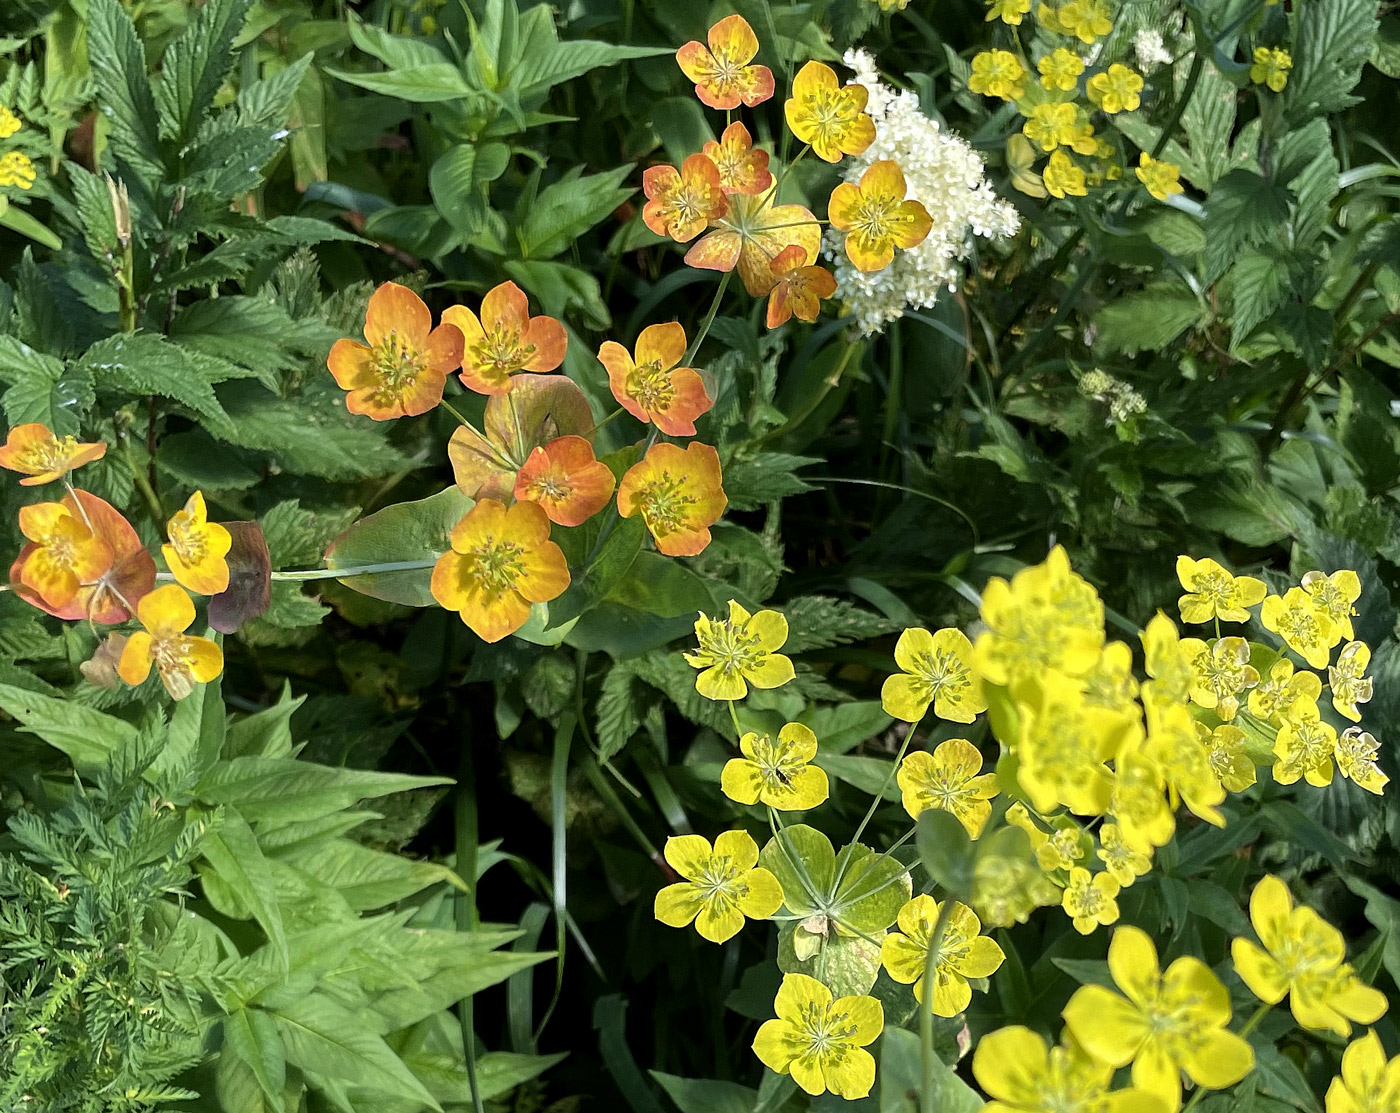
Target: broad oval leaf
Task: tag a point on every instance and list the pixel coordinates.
(413, 534)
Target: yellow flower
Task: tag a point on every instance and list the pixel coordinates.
(1356, 759)
(963, 953)
(1058, 125)
(876, 218)
(997, 73)
(198, 548)
(41, 457)
(1161, 179)
(721, 886)
(1063, 745)
(776, 773)
(1062, 177)
(182, 661)
(1089, 899)
(1167, 1023)
(1086, 19)
(1167, 663)
(1333, 597)
(1349, 682)
(1304, 746)
(1111, 683)
(1222, 673)
(1116, 90)
(1212, 592)
(1008, 11)
(1060, 69)
(1303, 958)
(1271, 68)
(1124, 862)
(937, 669)
(1139, 800)
(1304, 629)
(17, 170)
(9, 122)
(1367, 1084)
(829, 116)
(948, 779)
(1228, 760)
(1184, 762)
(1023, 1075)
(819, 1041)
(1272, 698)
(738, 651)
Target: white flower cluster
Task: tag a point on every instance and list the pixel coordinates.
(1151, 51)
(1122, 400)
(947, 176)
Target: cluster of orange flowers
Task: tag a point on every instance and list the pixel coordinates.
(83, 560)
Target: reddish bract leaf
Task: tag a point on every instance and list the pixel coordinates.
(249, 591)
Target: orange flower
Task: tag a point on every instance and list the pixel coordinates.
(680, 203)
(43, 457)
(828, 116)
(63, 555)
(501, 562)
(505, 340)
(197, 548)
(722, 74)
(876, 218)
(751, 235)
(182, 660)
(651, 387)
(103, 597)
(798, 289)
(567, 480)
(743, 168)
(678, 494)
(401, 372)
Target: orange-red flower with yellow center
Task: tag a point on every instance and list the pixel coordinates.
(651, 387)
(798, 289)
(678, 493)
(680, 203)
(198, 548)
(181, 659)
(876, 218)
(567, 481)
(743, 168)
(722, 74)
(501, 562)
(400, 372)
(826, 114)
(64, 554)
(42, 457)
(751, 235)
(505, 340)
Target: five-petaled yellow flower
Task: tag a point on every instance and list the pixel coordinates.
(1333, 597)
(1023, 1075)
(198, 548)
(1089, 899)
(1271, 67)
(778, 774)
(950, 779)
(1356, 752)
(1212, 592)
(1116, 89)
(963, 953)
(829, 116)
(1304, 746)
(1304, 959)
(819, 1040)
(1274, 696)
(1167, 1022)
(997, 73)
(1122, 860)
(1060, 69)
(1008, 11)
(1161, 179)
(1062, 177)
(1059, 125)
(722, 885)
(1367, 1084)
(740, 650)
(876, 217)
(1222, 673)
(1305, 629)
(1349, 682)
(937, 669)
(181, 660)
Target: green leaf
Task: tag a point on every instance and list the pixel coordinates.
(90, 738)
(945, 851)
(395, 51)
(845, 726)
(407, 532)
(497, 1073)
(367, 878)
(562, 287)
(567, 209)
(236, 860)
(432, 83)
(1208, 122)
(251, 1035)
(804, 862)
(123, 87)
(195, 64)
(819, 621)
(619, 711)
(1242, 210)
(1259, 280)
(1331, 42)
(543, 61)
(145, 363)
(902, 1079)
(196, 734)
(1149, 319)
(704, 1095)
(872, 891)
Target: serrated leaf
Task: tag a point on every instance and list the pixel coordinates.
(567, 209)
(1148, 319)
(1242, 210)
(768, 477)
(619, 711)
(1259, 280)
(233, 856)
(146, 363)
(268, 102)
(1331, 42)
(1208, 121)
(818, 621)
(194, 65)
(124, 95)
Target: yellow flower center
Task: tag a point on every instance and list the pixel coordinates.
(651, 386)
(1327, 597)
(727, 73)
(666, 505)
(396, 365)
(47, 457)
(1309, 746)
(188, 540)
(1216, 587)
(1300, 626)
(502, 349)
(874, 217)
(776, 763)
(731, 649)
(496, 566)
(827, 1033)
(938, 672)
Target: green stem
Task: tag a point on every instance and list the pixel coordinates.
(875, 803)
(708, 321)
(927, 1055)
(465, 913)
(611, 417)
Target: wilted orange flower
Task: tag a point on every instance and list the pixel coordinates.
(651, 387)
(128, 576)
(876, 218)
(722, 74)
(798, 289)
(751, 235)
(743, 168)
(43, 457)
(567, 480)
(197, 548)
(505, 340)
(402, 369)
(681, 202)
(64, 552)
(678, 494)
(827, 115)
(181, 660)
(501, 562)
